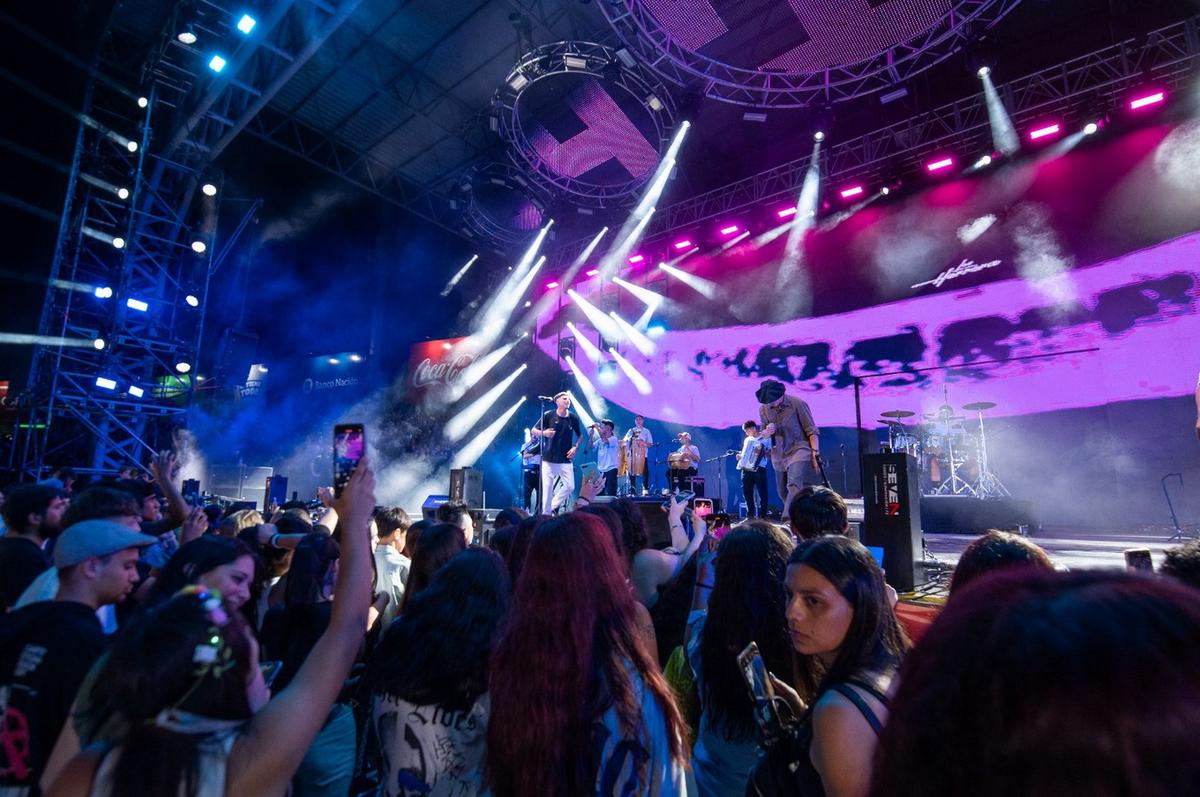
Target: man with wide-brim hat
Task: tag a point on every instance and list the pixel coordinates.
(795, 439)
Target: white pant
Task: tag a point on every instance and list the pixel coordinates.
(558, 485)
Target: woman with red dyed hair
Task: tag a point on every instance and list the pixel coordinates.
(578, 705)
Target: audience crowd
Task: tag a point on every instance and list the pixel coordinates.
(152, 647)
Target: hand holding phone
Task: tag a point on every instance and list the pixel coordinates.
(1138, 560)
(762, 692)
(349, 447)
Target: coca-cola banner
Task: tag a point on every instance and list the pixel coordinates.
(436, 366)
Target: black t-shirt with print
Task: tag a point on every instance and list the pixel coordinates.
(46, 650)
(566, 431)
(21, 561)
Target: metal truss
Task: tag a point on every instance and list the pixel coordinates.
(1080, 89)
(641, 32)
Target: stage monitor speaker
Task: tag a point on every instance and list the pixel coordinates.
(892, 515)
(430, 507)
(276, 492)
(466, 486)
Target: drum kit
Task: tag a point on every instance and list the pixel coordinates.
(951, 449)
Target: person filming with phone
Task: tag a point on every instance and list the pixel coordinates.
(560, 431)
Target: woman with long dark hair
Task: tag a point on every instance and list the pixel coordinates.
(437, 545)
(578, 705)
(1045, 684)
(219, 563)
(849, 646)
(429, 680)
(187, 676)
(739, 598)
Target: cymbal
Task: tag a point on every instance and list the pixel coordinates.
(979, 406)
(889, 422)
(898, 414)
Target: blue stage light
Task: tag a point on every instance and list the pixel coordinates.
(136, 391)
(217, 63)
(106, 383)
(137, 304)
(246, 24)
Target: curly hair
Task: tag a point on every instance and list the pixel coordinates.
(1183, 563)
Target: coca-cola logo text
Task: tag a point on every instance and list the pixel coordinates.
(444, 373)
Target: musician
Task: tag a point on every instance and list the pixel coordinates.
(603, 436)
(752, 464)
(795, 439)
(637, 443)
(681, 478)
(560, 431)
(531, 473)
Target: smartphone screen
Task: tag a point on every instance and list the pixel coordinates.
(270, 669)
(1139, 559)
(761, 693)
(349, 446)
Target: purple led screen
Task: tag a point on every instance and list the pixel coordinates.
(583, 129)
(795, 36)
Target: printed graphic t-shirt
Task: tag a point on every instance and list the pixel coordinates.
(430, 751)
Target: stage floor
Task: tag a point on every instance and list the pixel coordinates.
(1074, 550)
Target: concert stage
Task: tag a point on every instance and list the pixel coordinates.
(960, 514)
(1072, 549)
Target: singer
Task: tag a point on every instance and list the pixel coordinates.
(603, 436)
(559, 430)
(795, 439)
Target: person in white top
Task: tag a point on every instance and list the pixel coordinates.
(637, 443)
(752, 465)
(681, 477)
(391, 566)
(603, 436)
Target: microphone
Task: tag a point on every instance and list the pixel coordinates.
(545, 398)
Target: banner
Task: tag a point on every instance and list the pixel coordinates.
(436, 366)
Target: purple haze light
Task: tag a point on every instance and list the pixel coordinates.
(786, 213)
(1146, 100)
(1044, 131)
(939, 164)
(591, 272)
(637, 259)
(851, 192)
(681, 245)
(730, 229)
(551, 285)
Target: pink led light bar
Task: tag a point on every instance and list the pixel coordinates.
(730, 230)
(851, 192)
(684, 244)
(786, 213)
(938, 165)
(1047, 130)
(591, 272)
(636, 259)
(550, 285)
(1147, 100)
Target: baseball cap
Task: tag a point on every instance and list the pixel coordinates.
(95, 538)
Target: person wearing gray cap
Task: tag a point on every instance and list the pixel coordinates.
(47, 648)
(795, 439)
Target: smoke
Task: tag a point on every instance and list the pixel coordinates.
(193, 464)
(1040, 259)
(303, 218)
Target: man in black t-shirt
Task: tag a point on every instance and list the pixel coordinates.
(46, 648)
(33, 514)
(560, 430)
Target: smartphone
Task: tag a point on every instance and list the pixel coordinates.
(678, 498)
(588, 471)
(1138, 559)
(762, 694)
(270, 669)
(349, 446)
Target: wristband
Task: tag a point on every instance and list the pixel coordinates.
(274, 539)
(585, 500)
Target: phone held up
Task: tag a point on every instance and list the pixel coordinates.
(1138, 559)
(762, 694)
(349, 446)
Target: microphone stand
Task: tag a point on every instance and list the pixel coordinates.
(845, 478)
(720, 460)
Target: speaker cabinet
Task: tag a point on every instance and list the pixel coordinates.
(466, 487)
(892, 515)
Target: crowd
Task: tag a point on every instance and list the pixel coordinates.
(148, 647)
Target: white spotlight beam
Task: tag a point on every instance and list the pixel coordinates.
(462, 272)
(589, 249)
(590, 349)
(596, 402)
(615, 257)
(581, 410)
(15, 339)
(479, 368)
(647, 296)
(640, 382)
(603, 324)
(704, 287)
(1004, 135)
(548, 298)
(470, 453)
(639, 341)
(458, 426)
(793, 280)
(732, 242)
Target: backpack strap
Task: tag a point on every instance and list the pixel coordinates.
(850, 693)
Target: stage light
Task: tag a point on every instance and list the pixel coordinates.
(1147, 100)
(123, 193)
(1090, 128)
(983, 72)
(106, 383)
(199, 247)
(574, 62)
(447, 346)
(647, 296)
(939, 164)
(192, 300)
(640, 342)
(103, 292)
(654, 102)
(480, 368)
(679, 246)
(1004, 135)
(143, 102)
(186, 36)
(137, 304)
(851, 192)
(470, 453)
(656, 330)
(334, 361)
(596, 402)
(518, 82)
(590, 349)
(529, 303)
(183, 367)
(885, 190)
(786, 213)
(98, 344)
(1045, 131)
(217, 63)
(606, 373)
(118, 242)
(730, 229)
(136, 391)
(462, 272)
(591, 272)
(704, 287)
(355, 358)
(819, 136)
(601, 322)
(984, 161)
(246, 24)
(636, 259)
(208, 189)
(131, 146)
(640, 383)
(551, 285)
(462, 423)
